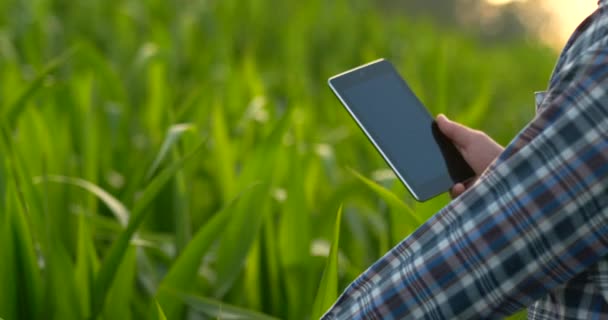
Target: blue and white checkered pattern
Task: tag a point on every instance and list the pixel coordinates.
(532, 232)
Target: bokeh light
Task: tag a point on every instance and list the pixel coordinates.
(564, 16)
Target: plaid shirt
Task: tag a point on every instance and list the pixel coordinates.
(532, 232)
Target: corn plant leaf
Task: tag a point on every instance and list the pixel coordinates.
(328, 288)
(84, 269)
(244, 228)
(11, 114)
(29, 282)
(8, 283)
(116, 207)
(185, 268)
(173, 135)
(119, 247)
(239, 236)
(223, 152)
(157, 312)
(408, 214)
(121, 292)
(217, 309)
(480, 107)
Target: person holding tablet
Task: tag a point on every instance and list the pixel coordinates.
(531, 231)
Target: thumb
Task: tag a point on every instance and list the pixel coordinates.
(460, 135)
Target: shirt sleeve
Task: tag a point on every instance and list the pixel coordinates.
(535, 219)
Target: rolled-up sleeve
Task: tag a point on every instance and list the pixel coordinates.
(535, 219)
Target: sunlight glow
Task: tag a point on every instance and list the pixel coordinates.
(501, 2)
(566, 16)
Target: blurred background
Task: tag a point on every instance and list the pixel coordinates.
(186, 158)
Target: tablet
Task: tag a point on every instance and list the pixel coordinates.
(401, 129)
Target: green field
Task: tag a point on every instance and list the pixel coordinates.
(188, 156)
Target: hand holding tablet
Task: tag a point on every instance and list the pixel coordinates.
(401, 129)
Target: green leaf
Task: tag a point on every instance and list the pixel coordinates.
(28, 277)
(217, 309)
(181, 212)
(293, 243)
(181, 207)
(328, 288)
(3, 179)
(521, 315)
(408, 214)
(10, 115)
(8, 281)
(121, 292)
(119, 247)
(270, 259)
(186, 267)
(115, 206)
(28, 273)
(107, 227)
(242, 232)
(173, 135)
(157, 313)
(480, 107)
(62, 291)
(158, 97)
(239, 235)
(223, 152)
(84, 269)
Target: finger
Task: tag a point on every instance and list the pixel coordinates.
(470, 183)
(459, 134)
(457, 190)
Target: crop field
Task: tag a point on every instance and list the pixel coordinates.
(187, 160)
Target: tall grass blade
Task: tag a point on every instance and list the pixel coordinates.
(173, 135)
(239, 235)
(408, 214)
(186, 267)
(157, 313)
(11, 114)
(8, 283)
(219, 310)
(28, 277)
(328, 287)
(123, 287)
(294, 239)
(86, 261)
(61, 289)
(244, 228)
(223, 152)
(182, 218)
(3, 181)
(270, 259)
(28, 273)
(119, 247)
(478, 110)
(116, 207)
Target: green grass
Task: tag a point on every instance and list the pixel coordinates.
(167, 158)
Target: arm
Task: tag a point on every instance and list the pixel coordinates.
(534, 219)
